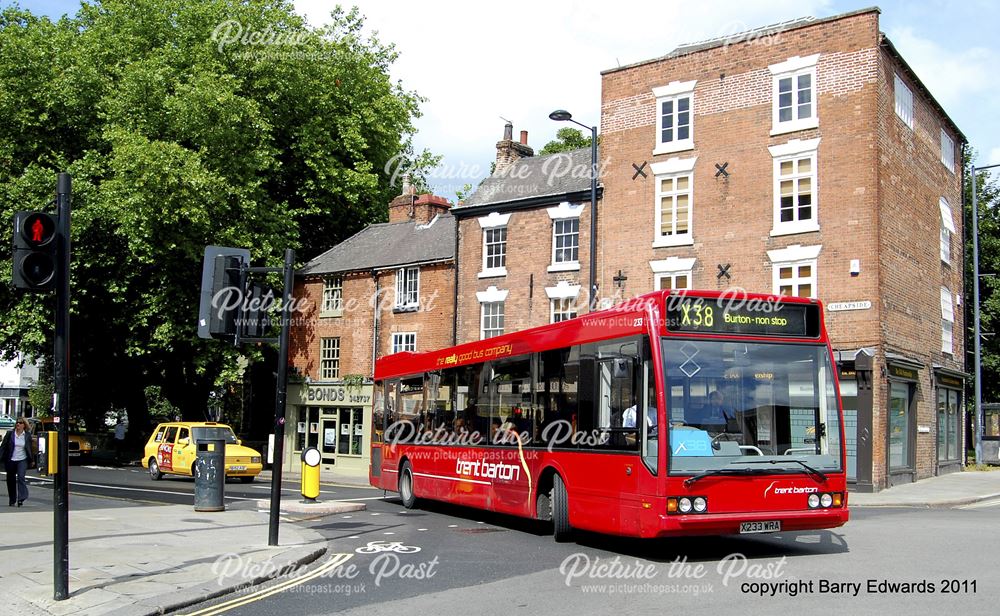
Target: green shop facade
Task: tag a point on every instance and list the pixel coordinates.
(334, 418)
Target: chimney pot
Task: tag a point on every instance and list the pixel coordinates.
(524, 137)
(508, 131)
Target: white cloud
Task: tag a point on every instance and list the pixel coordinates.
(960, 79)
(951, 75)
(521, 59)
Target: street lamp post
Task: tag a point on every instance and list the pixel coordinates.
(561, 115)
(977, 342)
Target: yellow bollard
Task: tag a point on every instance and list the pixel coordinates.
(47, 453)
(310, 474)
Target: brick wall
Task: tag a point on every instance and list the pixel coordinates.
(912, 179)
(354, 327)
(529, 254)
(733, 217)
(432, 323)
(877, 190)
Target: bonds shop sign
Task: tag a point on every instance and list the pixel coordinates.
(339, 395)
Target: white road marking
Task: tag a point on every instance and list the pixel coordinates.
(993, 502)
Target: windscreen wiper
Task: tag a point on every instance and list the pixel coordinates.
(725, 471)
(812, 471)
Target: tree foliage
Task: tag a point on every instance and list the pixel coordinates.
(179, 134)
(567, 139)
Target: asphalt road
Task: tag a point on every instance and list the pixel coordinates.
(470, 562)
(443, 560)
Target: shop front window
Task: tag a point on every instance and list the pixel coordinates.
(307, 428)
(899, 426)
(948, 424)
(351, 430)
(849, 400)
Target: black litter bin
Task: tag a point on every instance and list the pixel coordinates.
(210, 475)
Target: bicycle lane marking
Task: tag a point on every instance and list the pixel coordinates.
(379, 547)
(335, 561)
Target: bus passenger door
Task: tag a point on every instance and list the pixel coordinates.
(615, 396)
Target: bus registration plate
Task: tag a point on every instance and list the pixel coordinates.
(769, 526)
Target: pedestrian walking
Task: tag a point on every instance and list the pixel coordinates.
(120, 429)
(18, 454)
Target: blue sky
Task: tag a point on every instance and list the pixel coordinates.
(520, 59)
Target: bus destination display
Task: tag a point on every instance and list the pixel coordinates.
(709, 316)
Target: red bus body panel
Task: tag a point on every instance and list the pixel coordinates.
(611, 493)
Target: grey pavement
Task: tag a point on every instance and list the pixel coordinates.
(128, 558)
(951, 490)
(293, 475)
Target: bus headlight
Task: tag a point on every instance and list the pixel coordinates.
(700, 504)
(255, 460)
(813, 501)
(684, 505)
(826, 500)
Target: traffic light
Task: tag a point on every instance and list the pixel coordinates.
(256, 318)
(35, 251)
(223, 290)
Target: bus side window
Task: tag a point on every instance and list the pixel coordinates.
(444, 394)
(378, 411)
(510, 401)
(619, 407)
(391, 402)
(559, 372)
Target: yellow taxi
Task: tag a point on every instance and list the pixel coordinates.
(80, 447)
(172, 447)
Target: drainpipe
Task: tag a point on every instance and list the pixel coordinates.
(376, 308)
(454, 312)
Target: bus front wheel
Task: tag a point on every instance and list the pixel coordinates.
(406, 486)
(560, 510)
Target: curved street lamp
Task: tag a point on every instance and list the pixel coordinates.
(561, 115)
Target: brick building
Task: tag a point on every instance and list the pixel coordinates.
(524, 242)
(388, 288)
(805, 159)
(802, 159)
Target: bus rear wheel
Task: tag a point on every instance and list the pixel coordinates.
(562, 531)
(406, 486)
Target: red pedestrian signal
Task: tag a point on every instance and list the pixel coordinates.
(34, 251)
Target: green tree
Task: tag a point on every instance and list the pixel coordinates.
(181, 128)
(567, 139)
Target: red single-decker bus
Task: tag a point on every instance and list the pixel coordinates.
(676, 413)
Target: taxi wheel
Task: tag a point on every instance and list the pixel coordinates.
(154, 470)
(246, 479)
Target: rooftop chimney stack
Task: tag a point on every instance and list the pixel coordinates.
(510, 151)
(419, 209)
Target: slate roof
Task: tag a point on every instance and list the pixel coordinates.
(388, 245)
(533, 177)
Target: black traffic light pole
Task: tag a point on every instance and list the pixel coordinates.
(231, 322)
(60, 363)
(279, 402)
